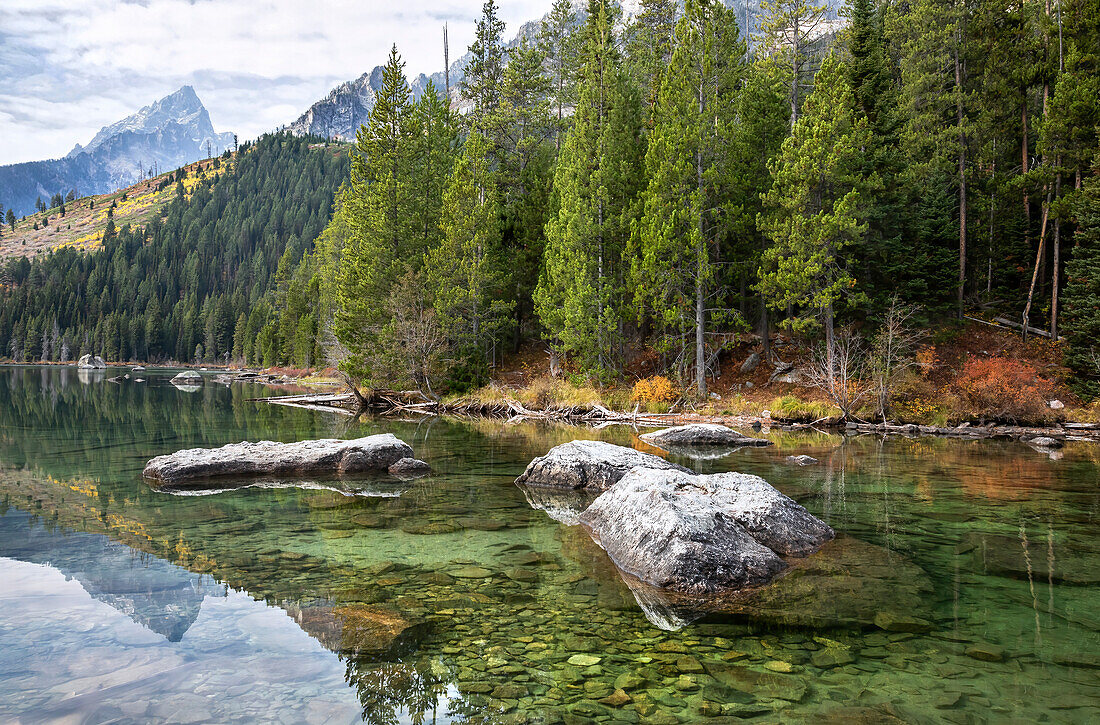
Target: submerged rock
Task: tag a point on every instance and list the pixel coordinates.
(91, 362)
(267, 458)
(409, 468)
(589, 464)
(363, 630)
(701, 434)
(700, 534)
(802, 460)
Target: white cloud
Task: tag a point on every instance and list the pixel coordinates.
(69, 67)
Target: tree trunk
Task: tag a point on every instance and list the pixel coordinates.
(765, 331)
(830, 349)
(1035, 271)
(700, 269)
(1023, 167)
(1057, 262)
(962, 179)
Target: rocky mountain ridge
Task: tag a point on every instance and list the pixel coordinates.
(171, 132)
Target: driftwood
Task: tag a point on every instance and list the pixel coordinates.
(392, 402)
(414, 403)
(1005, 322)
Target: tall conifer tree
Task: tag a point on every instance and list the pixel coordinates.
(579, 298)
(685, 228)
(814, 210)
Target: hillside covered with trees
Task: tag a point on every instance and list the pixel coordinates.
(194, 284)
(659, 183)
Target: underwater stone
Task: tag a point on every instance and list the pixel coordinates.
(701, 434)
(898, 622)
(985, 652)
(589, 464)
(360, 629)
(408, 468)
(267, 458)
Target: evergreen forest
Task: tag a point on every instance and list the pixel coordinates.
(610, 185)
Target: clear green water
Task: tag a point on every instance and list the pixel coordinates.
(122, 604)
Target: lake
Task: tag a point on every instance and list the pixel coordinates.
(974, 595)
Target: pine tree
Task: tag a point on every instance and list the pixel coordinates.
(484, 73)
(930, 40)
(383, 239)
(1081, 318)
(11, 219)
(787, 31)
(467, 270)
(559, 48)
(525, 171)
(763, 114)
(684, 230)
(649, 46)
(579, 298)
(888, 263)
(814, 210)
(434, 138)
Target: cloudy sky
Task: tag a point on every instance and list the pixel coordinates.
(70, 67)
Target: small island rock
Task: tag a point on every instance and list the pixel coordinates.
(91, 362)
(267, 458)
(187, 377)
(701, 434)
(589, 464)
(802, 460)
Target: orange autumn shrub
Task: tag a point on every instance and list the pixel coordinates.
(657, 389)
(1004, 389)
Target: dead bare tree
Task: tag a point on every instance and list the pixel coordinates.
(845, 379)
(892, 351)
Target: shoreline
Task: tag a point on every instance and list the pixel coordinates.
(389, 403)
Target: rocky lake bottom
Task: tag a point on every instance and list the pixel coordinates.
(963, 587)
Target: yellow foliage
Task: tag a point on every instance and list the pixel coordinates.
(656, 389)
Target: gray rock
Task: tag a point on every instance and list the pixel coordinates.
(802, 460)
(700, 534)
(1045, 442)
(751, 363)
(187, 377)
(267, 458)
(1057, 405)
(589, 464)
(91, 362)
(701, 434)
(408, 468)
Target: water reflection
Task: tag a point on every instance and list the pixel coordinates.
(465, 598)
(160, 596)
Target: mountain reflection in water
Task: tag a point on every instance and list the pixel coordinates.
(467, 599)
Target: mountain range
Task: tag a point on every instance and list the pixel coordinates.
(176, 130)
(167, 134)
(339, 114)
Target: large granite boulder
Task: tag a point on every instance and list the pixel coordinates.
(91, 362)
(701, 534)
(267, 458)
(592, 465)
(701, 434)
